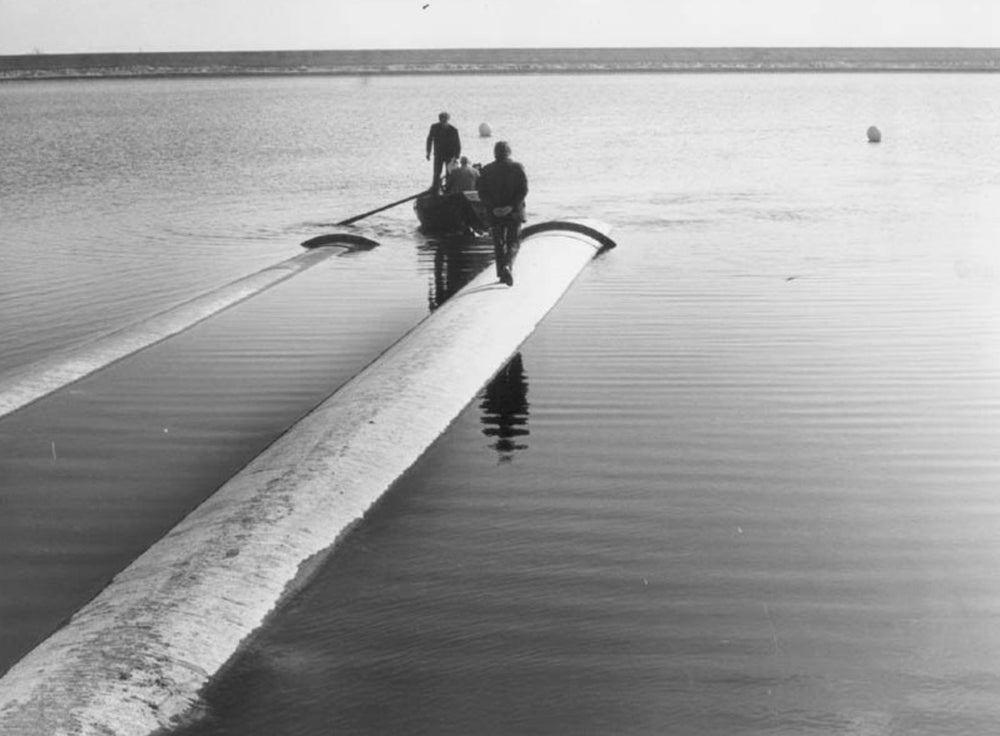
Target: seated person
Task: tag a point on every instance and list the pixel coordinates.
(463, 178)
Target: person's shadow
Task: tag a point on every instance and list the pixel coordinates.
(454, 262)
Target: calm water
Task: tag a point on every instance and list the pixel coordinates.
(742, 480)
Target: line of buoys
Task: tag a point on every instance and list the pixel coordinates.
(30, 383)
(133, 660)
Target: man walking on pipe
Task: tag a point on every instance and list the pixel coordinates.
(502, 187)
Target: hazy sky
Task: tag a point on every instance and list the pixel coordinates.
(60, 26)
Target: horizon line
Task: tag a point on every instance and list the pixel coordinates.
(42, 52)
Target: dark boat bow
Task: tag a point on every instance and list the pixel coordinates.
(451, 213)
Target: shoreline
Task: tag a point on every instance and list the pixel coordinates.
(216, 74)
(411, 62)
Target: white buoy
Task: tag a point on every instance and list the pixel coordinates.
(485, 131)
(874, 135)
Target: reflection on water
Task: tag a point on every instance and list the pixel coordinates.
(454, 262)
(753, 503)
(505, 409)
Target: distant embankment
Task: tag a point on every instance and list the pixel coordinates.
(499, 61)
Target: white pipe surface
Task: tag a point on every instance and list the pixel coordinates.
(32, 382)
(134, 659)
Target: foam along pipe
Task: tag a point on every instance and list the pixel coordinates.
(36, 380)
(134, 659)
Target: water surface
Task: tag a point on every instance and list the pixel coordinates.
(741, 480)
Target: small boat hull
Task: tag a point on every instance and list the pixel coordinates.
(450, 214)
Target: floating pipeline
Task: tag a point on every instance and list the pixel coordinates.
(32, 382)
(133, 660)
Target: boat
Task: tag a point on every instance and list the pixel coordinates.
(454, 213)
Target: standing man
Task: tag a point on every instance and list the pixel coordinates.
(443, 138)
(502, 187)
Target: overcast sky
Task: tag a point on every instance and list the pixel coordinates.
(63, 26)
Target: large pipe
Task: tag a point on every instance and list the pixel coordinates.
(134, 659)
(30, 383)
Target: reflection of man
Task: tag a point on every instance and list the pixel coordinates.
(502, 187)
(443, 138)
(456, 263)
(505, 409)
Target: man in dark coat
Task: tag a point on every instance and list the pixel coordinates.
(502, 187)
(443, 138)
